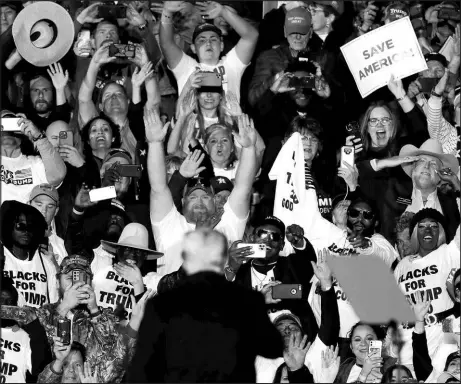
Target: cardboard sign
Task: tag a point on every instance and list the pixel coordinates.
(447, 49)
(371, 289)
(391, 49)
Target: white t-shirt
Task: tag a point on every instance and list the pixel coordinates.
(428, 274)
(229, 67)
(169, 233)
(15, 355)
(20, 175)
(31, 280)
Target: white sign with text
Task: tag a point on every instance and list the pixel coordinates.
(391, 49)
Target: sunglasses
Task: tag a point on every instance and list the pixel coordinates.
(23, 227)
(354, 213)
(191, 183)
(264, 234)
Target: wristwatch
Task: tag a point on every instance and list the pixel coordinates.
(39, 137)
(433, 93)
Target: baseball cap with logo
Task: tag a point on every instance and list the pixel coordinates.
(44, 189)
(198, 183)
(298, 20)
(274, 221)
(221, 183)
(396, 11)
(76, 262)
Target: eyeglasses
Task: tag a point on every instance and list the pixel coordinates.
(384, 121)
(310, 138)
(354, 213)
(265, 234)
(23, 227)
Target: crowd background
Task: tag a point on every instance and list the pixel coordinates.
(209, 130)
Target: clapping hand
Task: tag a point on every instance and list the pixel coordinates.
(58, 76)
(247, 132)
(190, 167)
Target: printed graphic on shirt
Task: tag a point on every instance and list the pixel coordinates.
(113, 291)
(32, 286)
(19, 177)
(414, 283)
(15, 356)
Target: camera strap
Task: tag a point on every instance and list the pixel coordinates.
(46, 275)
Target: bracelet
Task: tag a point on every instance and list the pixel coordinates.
(96, 314)
(230, 270)
(433, 93)
(79, 213)
(400, 98)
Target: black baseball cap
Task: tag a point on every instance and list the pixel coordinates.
(205, 28)
(436, 57)
(274, 221)
(198, 183)
(221, 183)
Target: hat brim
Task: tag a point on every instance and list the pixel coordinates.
(112, 247)
(448, 161)
(25, 20)
(71, 267)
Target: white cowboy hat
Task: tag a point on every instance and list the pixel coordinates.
(43, 33)
(135, 236)
(430, 147)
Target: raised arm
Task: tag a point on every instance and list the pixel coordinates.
(161, 200)
(239, 199)
(248, 34)
(170, 49)
(86, 107)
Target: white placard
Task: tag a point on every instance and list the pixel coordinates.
(447, 49)
(390, 49)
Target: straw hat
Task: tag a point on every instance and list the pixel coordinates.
(135, 236)
(43, 33)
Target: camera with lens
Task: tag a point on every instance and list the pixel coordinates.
(307, 82)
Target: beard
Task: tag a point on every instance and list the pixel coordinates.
(42, 106)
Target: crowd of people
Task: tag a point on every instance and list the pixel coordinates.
(178, 177)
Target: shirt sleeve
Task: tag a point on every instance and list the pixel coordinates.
(233, 62)
(439, 128)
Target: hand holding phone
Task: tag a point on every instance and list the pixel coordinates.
(128, 170)
(66, 138)
(259, 250)
(287, 291)
(347, 156)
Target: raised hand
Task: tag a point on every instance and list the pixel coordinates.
(371, 362)
(456, 41)
(330, 358)
(295, 354)
(174, 6)
(210, 9)
(322, 89)
(350, 175)
(238, 256)
(441, 85)
(414, 89)
(247, 132)
(322, 270)
(190, 167)
(71, 155)
(139, 308)
(101, 56)
(232, 106)
(396, 87)
(155, 131)
(139, 76)
(89, 14)
(60, 350)
(295, 235)
(58, 76)
(195, 79)
(369, 14)
(82, 200)
(356, 142)
(281, 83)
(140, 56)
(133, 17)
(421, 307)
(85, 373)
(188, 103)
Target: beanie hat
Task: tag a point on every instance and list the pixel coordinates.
(428, 213)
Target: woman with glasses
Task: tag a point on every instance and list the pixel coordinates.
(426, 271)
(381, 178)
